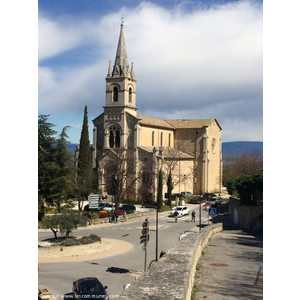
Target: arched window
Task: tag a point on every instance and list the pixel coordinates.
(118, 139)
(115, 94)
(161, 139)
(152, 138)
(130, 95)
(114, 137)
(111, 139)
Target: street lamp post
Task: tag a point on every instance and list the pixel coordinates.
(156, 251)
(195, 181)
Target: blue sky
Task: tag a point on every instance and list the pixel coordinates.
(192, 59)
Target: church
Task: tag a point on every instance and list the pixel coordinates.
(129, 150)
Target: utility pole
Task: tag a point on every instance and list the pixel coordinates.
(144, 240)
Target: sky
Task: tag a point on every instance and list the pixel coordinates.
(192, 60)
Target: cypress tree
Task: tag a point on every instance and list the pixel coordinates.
(84, 166)
(84, 158)
(170, 188)
(160, 189)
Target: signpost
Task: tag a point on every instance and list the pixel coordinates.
(144, 239)
(93, 201)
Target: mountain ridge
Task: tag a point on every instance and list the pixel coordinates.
(229, 149)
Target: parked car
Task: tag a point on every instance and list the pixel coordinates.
(87, 207)
(108, 207)
(212, 202)
(196, 200)
(182, 210)
(127, 207)
(149, 204)
(207, 196)
(186, 194)
(219, 200)
(89, 288)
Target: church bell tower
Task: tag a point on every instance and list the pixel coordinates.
(120, 98)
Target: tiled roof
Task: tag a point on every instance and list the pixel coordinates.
(154, 122)
(183, 123)
(174, 124)
(169, 152)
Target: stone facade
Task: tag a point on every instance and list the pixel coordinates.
(191, 149)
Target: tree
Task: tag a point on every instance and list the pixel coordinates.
(84, 176)
(62, 183)
(249, 188)
(65, 222)
(160, 189)
(71, 220)
(120, 176)
(51, 222)
(245, 164)
(46, 149)
(173, 162)
(170, 188)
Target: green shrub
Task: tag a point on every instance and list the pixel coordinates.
(70, 242)
(95, 237)
(95, 215)
(85, 240)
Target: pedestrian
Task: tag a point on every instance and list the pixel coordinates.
(193, 216)
(176, 215)
(116, 216)
(124, 215)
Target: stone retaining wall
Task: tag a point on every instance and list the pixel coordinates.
(172, 277)
(248, 217)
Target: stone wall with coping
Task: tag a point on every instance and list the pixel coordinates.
(172, 277)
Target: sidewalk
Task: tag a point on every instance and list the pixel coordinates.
(231, 266)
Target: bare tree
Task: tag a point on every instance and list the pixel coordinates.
(123, 172)
(245, 164)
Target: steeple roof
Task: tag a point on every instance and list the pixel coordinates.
(121, 66)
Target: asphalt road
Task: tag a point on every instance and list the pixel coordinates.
(116, 271)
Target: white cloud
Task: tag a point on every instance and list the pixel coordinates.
(46, 80)
(56, 37)
(205, 63)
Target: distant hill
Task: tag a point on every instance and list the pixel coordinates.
(229, 148)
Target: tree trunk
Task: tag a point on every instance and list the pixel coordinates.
(55, 233)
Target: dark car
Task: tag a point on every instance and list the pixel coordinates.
(149, 204)
(127, 207)
(196, 200)
(207, 196)
(89, 288)
(87, 208)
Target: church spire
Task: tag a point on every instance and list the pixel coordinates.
(121, 62)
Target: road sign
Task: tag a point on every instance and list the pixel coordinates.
(207, 206)
(212, 211)
(93, 201)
